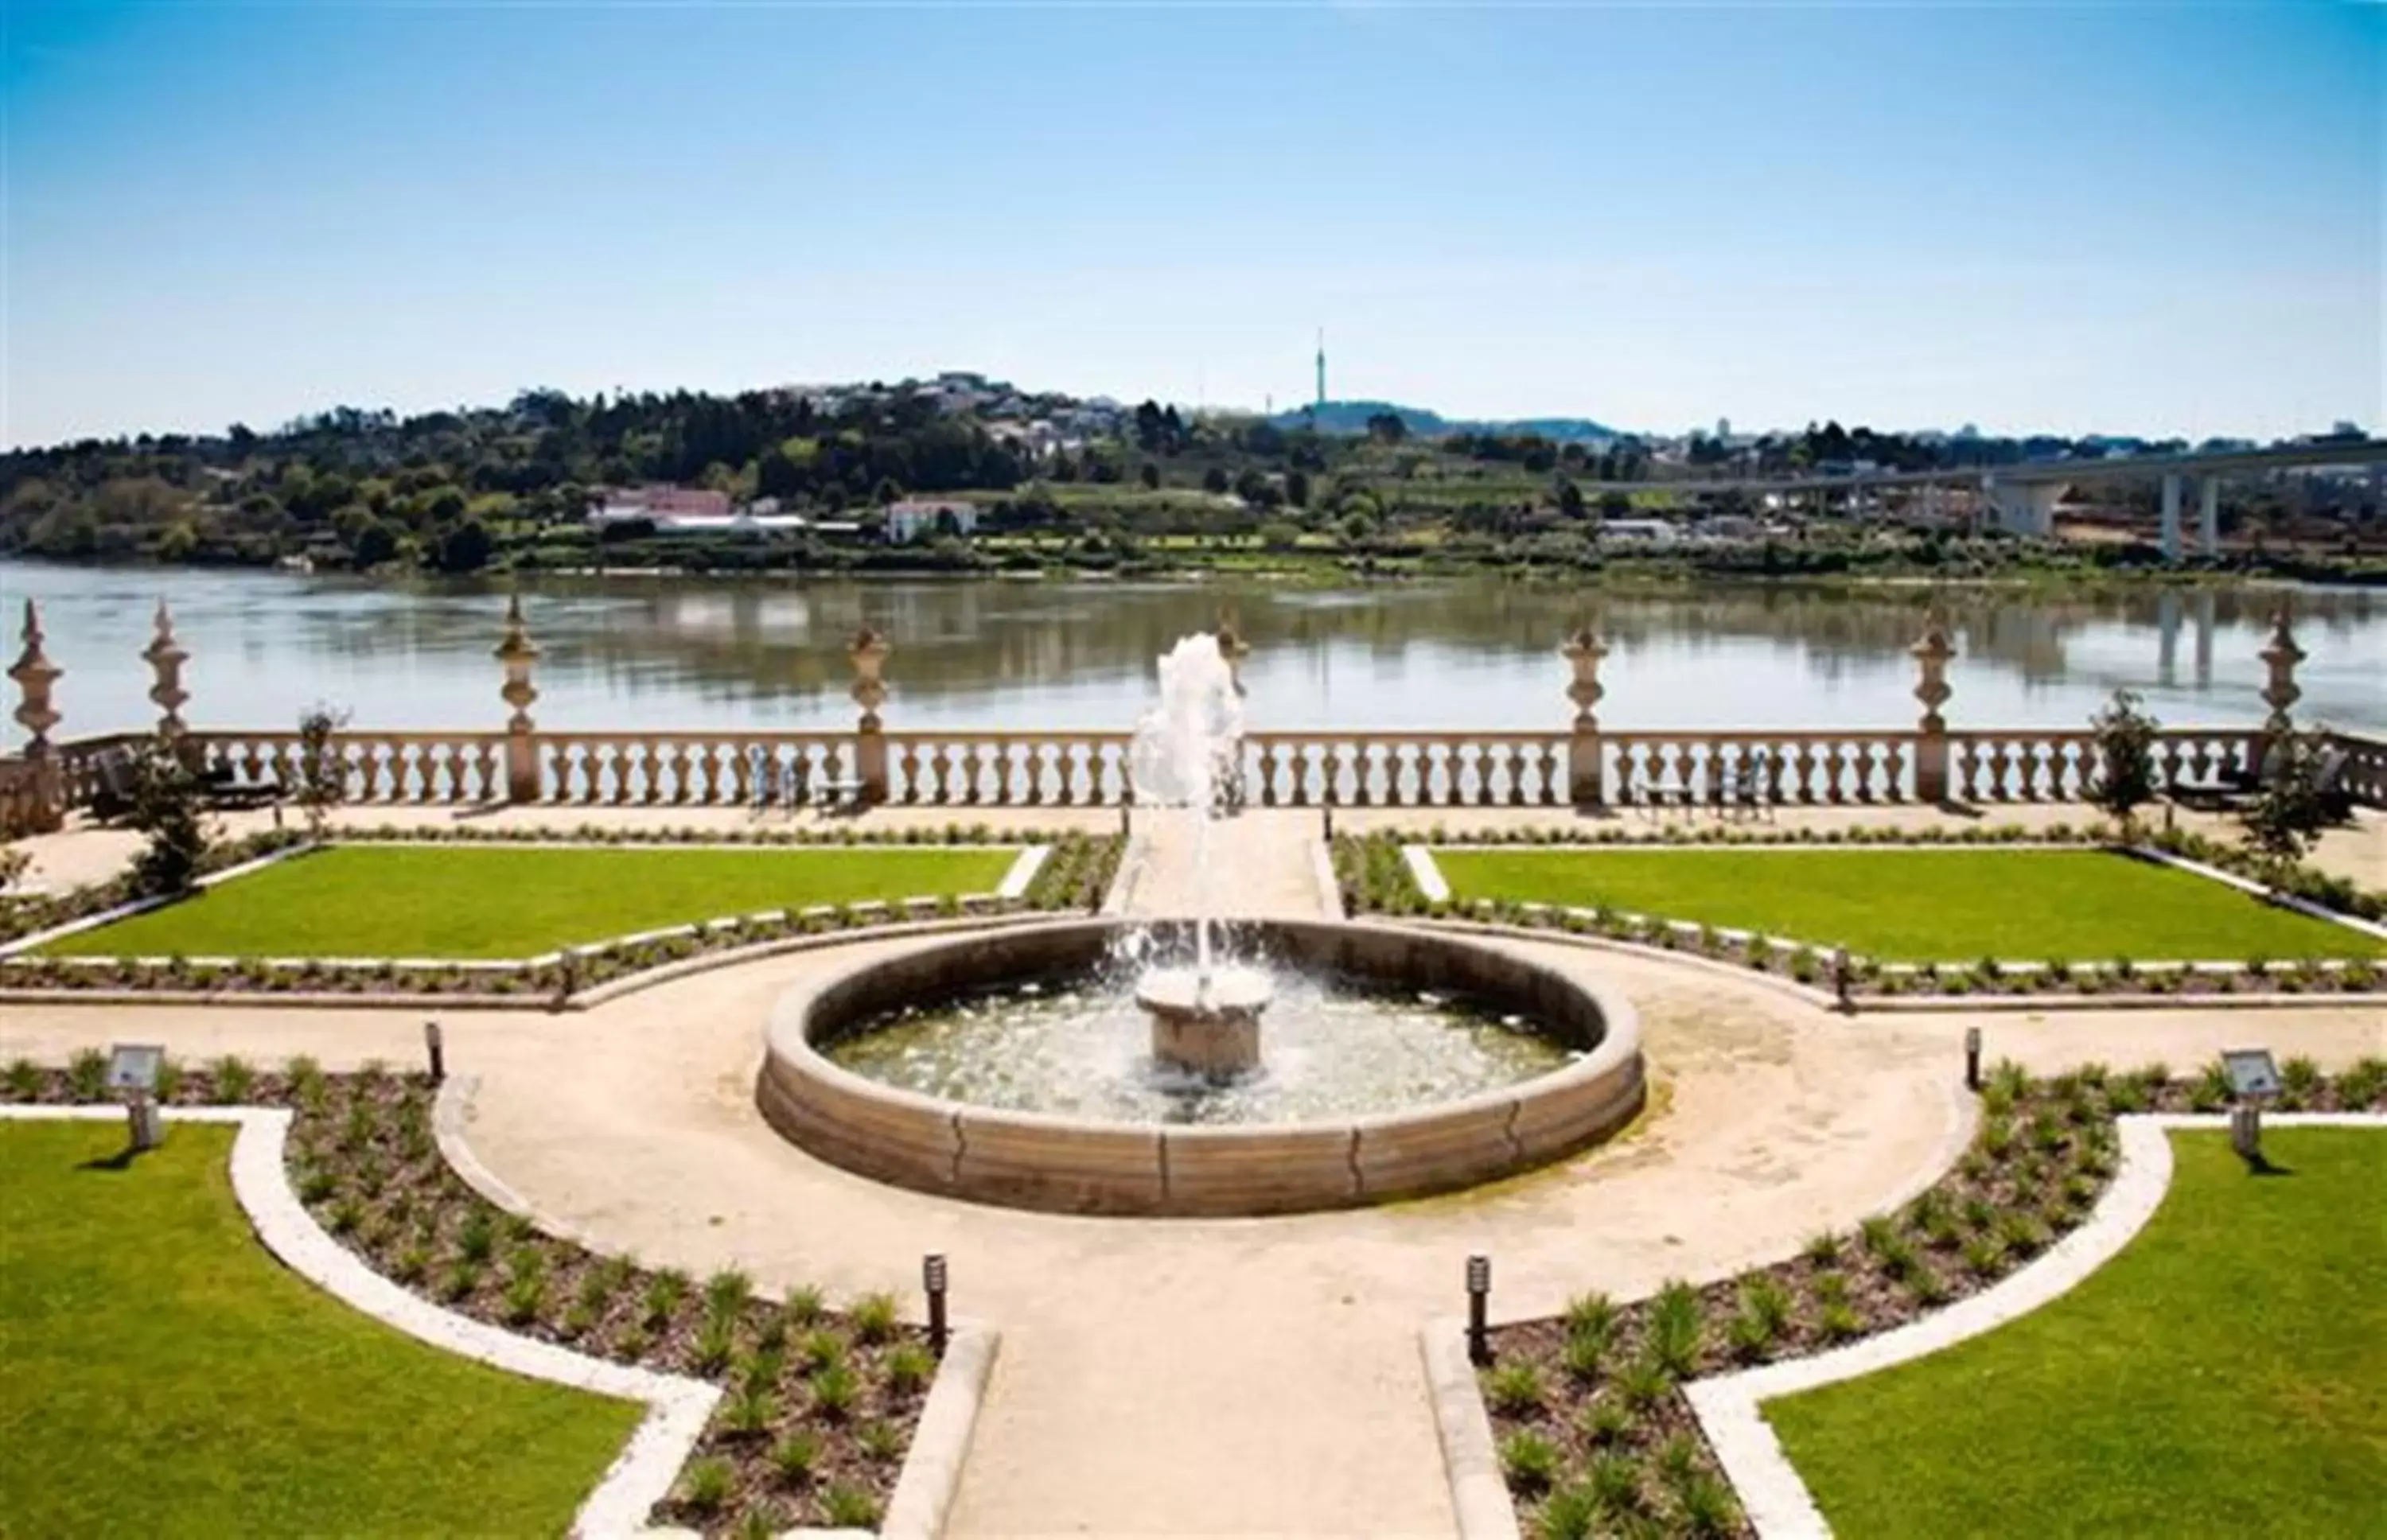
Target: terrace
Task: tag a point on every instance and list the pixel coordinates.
(1789, 961)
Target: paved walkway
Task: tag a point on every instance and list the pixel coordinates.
(1214, 1377)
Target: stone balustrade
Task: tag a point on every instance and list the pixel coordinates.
(1279, 769)
(1390, 769)
(1584, 765)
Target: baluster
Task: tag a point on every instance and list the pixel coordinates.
(1860, 770)
(710, 764)
(973, 768)
(1001, 773)
(940, 771)
(456, 792)
(1893, 758)
(907, 773)
(1833, 767)
(485, 771)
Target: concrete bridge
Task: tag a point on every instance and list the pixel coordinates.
(2021, 498)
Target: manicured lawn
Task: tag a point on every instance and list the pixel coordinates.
(2226, 1375)
(448, 901)
(164, 1375)
(1929, 906)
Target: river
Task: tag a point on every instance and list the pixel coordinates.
(640, 651)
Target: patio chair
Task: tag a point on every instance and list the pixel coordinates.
(111, 798)
(2227, 786)
(1747, 784)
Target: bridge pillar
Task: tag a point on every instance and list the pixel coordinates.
(2170, 537)
(2209, 515)
(2022, 507)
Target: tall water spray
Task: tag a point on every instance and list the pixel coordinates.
(1204, 1019)
(1184, 757)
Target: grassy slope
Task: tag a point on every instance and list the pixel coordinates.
(1937, 905)
(2227, 1375)
(165, 1376)
(435, 901)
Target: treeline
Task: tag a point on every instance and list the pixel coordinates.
(444, 489)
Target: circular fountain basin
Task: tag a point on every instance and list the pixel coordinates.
(1254, 1147)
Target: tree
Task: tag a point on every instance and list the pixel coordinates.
(1297, 488)
(323, 773)
(1150, 475)
(2289, 810)
(1214, 480)
(465, 548)
(165, 795)
(1280, 537)
(2124, 737)
(1387, 428)
(1570, 498)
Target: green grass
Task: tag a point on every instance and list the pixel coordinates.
(166, 1376)
(1927, 906)
(2226, 1375)
(451, 901)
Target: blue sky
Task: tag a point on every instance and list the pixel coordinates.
(2127, 218)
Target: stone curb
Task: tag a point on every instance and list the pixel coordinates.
(932, 1466)
(1330, 887)
(662, 972)
(2248, 885)
(1479, 1493)
(1015, 881)
(1870, 1004)
(1729, 1407)
(2059, 1000)
(1426, 873)
(1780, 983)
(678, 1411)
(1124, 880)
(665, 973)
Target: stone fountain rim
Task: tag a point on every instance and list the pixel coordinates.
(788, 1037)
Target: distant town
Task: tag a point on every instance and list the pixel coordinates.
(962, 472)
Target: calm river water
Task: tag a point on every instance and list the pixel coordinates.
(663, 652)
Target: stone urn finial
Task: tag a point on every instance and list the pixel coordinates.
(166, 657)
(1931, 654)
(517, 652)
(1232, 648)
(34, 674)
(1585, 650)
(2283, 655)
(868, 651)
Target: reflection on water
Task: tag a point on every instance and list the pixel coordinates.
(663, 652)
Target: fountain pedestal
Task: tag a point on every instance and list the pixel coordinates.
(1205, 1024)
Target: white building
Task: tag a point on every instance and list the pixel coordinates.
(912, 518)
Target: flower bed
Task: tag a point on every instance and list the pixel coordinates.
(1074, 875)
(819, 1405)
(1593, 1431)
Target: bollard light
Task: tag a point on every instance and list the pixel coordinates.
(1843, 978)
(435, 1050)
(1479, 1295)
(1326, 814)
(933, 1282)
(1972, 1058)
(1123, 824)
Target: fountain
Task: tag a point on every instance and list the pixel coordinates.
(1205, 1016)
(1089, 1065)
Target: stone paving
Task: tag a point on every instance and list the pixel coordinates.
(1206, 1377)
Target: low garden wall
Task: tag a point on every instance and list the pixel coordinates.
(1035, 1161)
